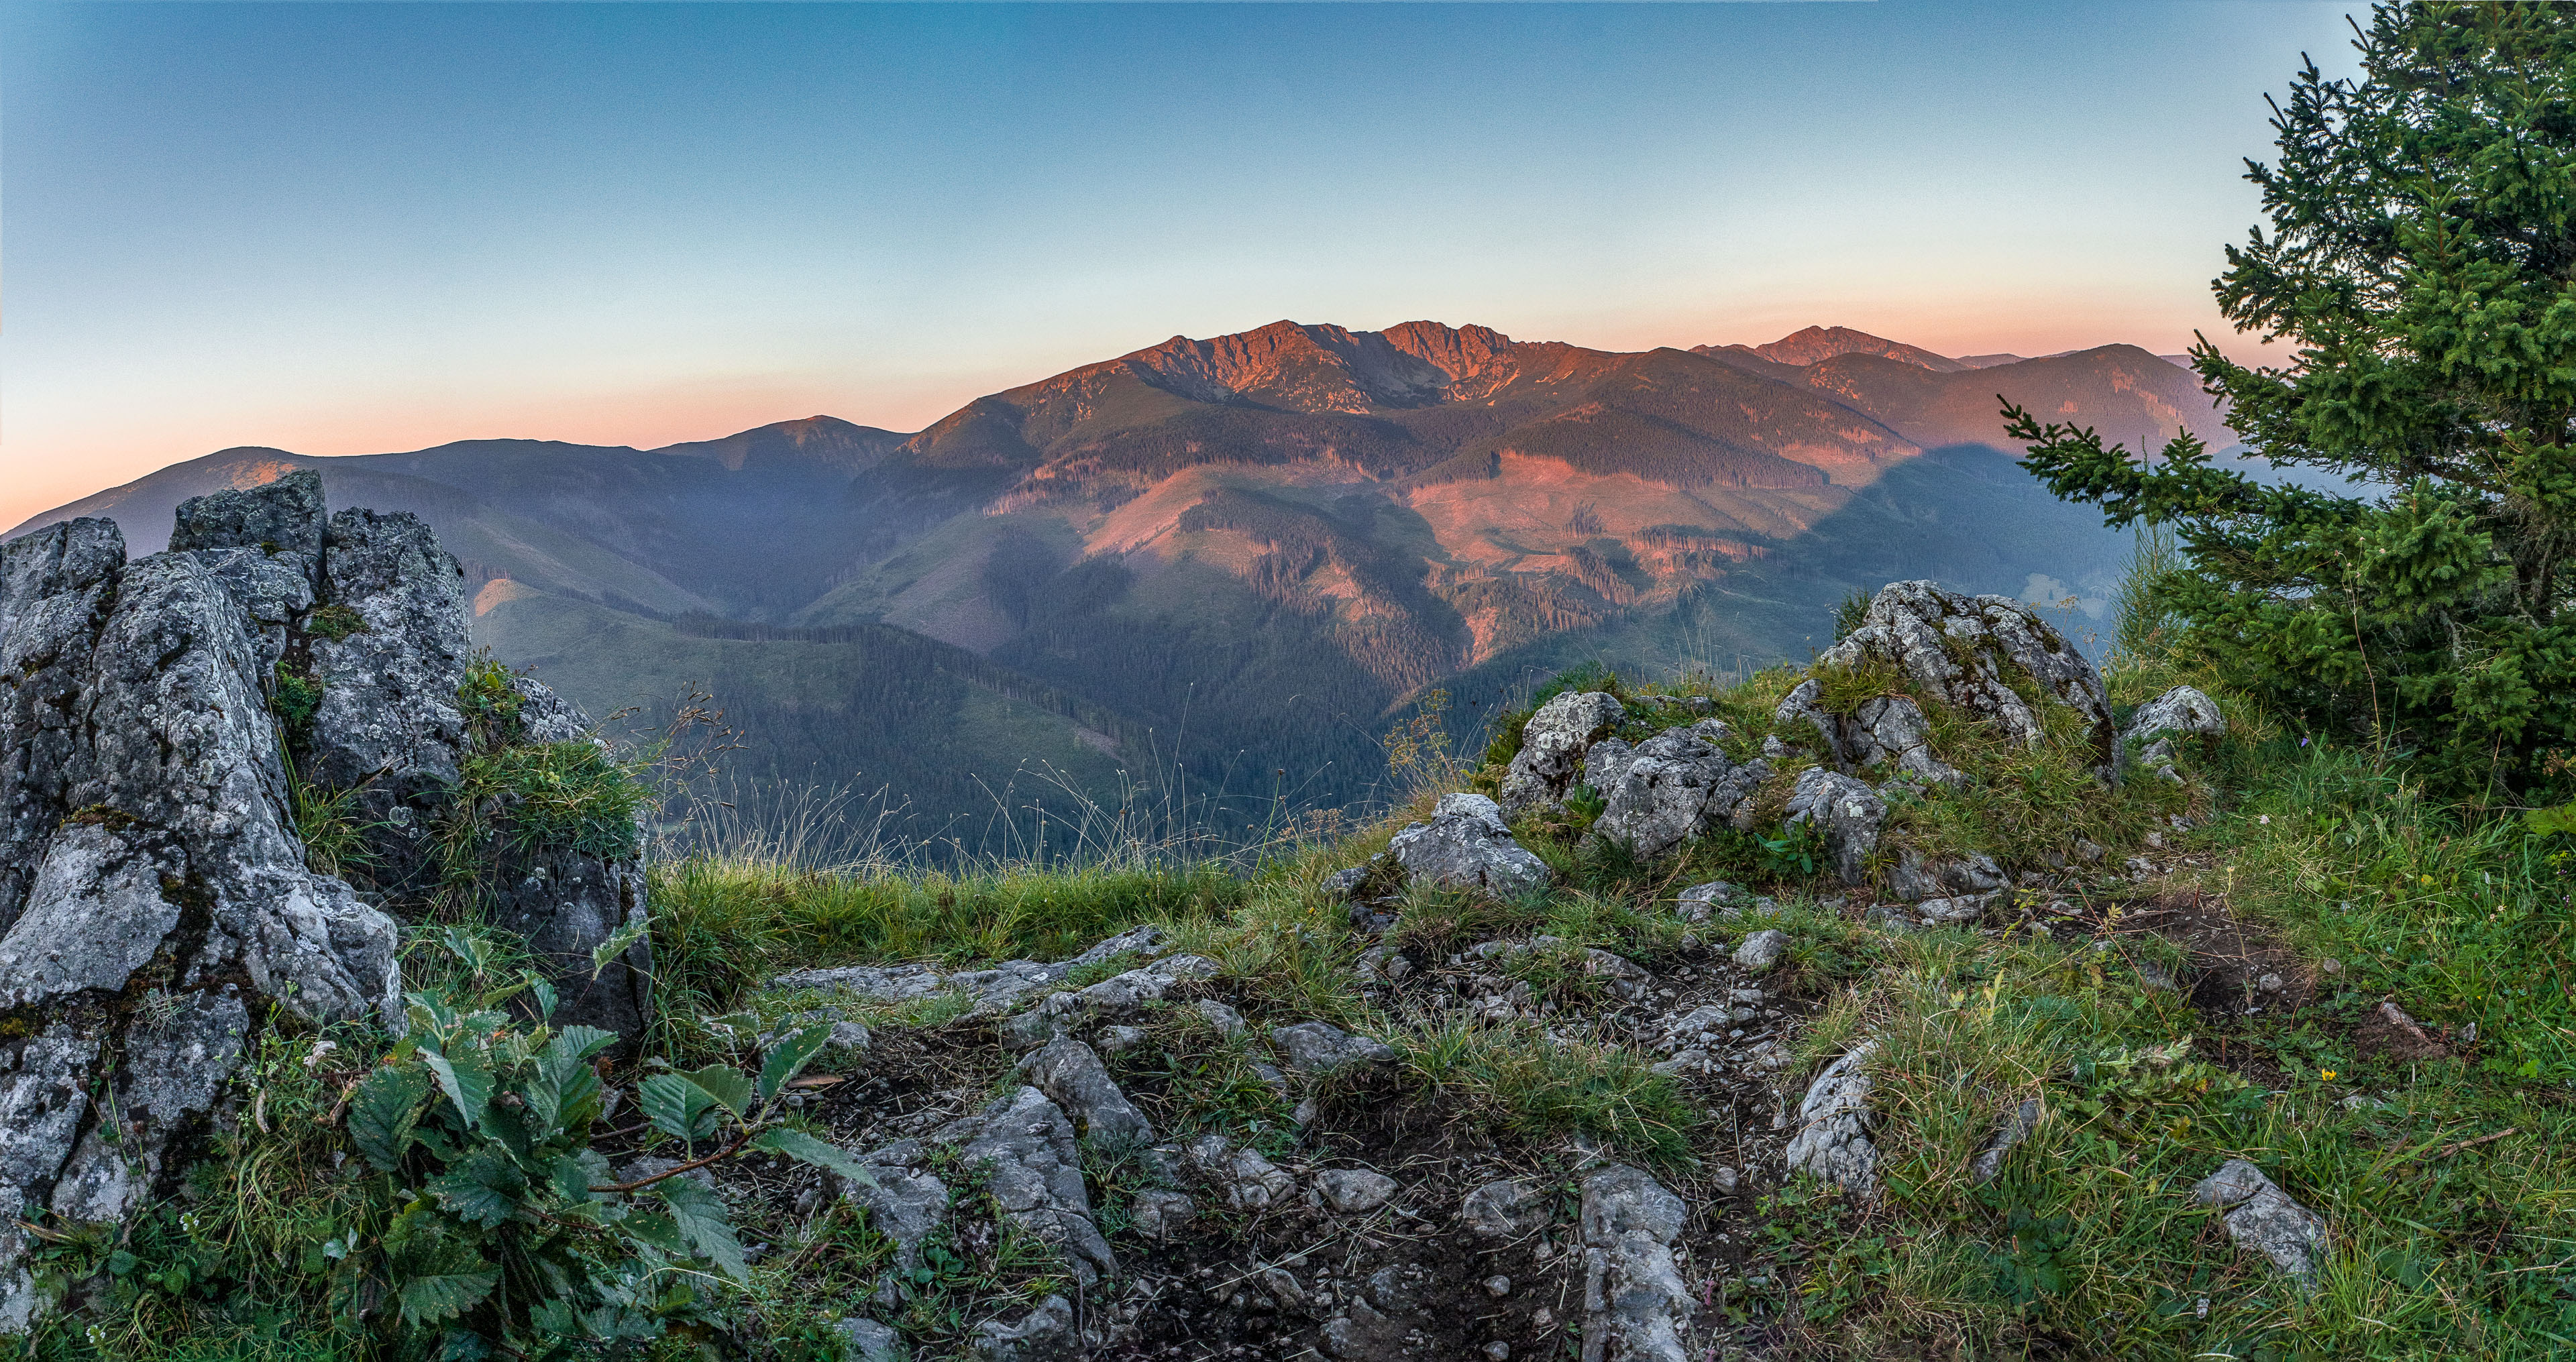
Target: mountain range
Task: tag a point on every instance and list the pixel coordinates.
(1230, 563)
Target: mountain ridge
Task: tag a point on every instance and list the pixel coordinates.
(1201, 535)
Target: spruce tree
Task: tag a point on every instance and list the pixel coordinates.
(2419, 265)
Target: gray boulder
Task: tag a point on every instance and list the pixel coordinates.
(389, 646)
(1071, 1075)
(1506, 1208)
(1250, 1181)
(2177, 715)
(1832, 1139)
(1637, 1307)
(1467, 846)
(1761, 950)
(2262, 1217)
(865, 1340)
(1676, 786)
(1321, 1048)
(1035, 1175)
(1891, 731)
(905, 1201)
(1553, 744)
(1965, 652)
(1046, 1333)
(1916, 877)
(1846, 814)
(281, 519)
(1802, 713)
(271, 591)
(1352, 1191)
(1885, 731)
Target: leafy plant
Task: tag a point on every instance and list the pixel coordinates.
(509, 1234)
(490, 700)
(296, 698)
(1586, 805)
(1794, 854)
(2545, 822)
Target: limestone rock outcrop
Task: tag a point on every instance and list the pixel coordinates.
(1833, 1142)
(2180, 714)
(1672, 787)
(1636, 1304)
(1846, 815)
(1966, 651)
(1466, 846)
(2262, 1217)
(156, 900)
(1553, 744)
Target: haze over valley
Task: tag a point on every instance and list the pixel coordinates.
(1228, 566)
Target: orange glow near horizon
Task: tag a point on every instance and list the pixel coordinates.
(665, 414)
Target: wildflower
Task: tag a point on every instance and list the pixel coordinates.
(2326, 1074)
(2265, 819)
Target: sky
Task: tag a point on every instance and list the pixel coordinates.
(354, 228)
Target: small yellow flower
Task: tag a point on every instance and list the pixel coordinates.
(2327, 1074)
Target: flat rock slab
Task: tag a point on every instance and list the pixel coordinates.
(995, 988)
(1832, 1141)
(1352, 1191)
(1035, 1174)
(1636, 1304)
(2262, 1217)
(1322, 1048)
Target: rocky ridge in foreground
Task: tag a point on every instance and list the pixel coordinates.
(172, 729)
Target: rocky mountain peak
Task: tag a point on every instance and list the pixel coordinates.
(1819, 343)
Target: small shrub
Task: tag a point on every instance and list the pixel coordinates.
(296, 697)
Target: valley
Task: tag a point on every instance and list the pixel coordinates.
(1209, 575)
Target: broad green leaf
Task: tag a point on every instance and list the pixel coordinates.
(796, 1144)
(546, 998)
(2544, 822)
(700, 1215)
(465, 1081)
(445, 1295)
(573, 1175)
(790, 1056)
(661, 1231)
(484, 1189)
(565, 1080)
(677, 1106)
(382, 1113)
(731, 1087)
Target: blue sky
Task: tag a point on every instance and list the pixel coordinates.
(345, 228)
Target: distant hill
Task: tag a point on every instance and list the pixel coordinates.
(1817, 344)
(1229, 564)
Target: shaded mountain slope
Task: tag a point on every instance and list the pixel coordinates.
(1255, 548)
